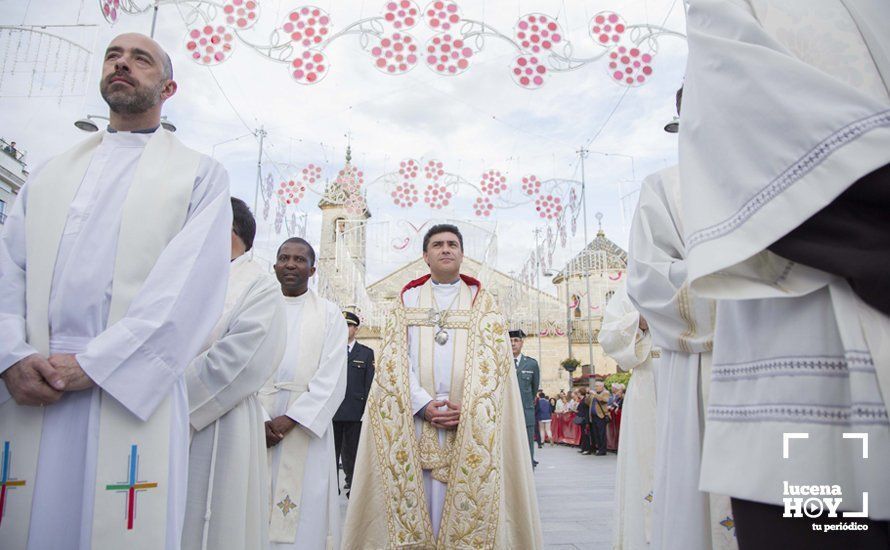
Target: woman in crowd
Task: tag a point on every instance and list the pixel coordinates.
(613, 428)
(583, 419)
(544, 414)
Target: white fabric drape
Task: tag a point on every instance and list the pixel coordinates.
(136, 360)
(631, 348)
(319, 525)
(228, 469)
(682, 325)
(774, 129)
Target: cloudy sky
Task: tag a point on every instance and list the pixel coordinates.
(473, 122)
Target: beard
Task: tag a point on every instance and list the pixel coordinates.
(133, 101)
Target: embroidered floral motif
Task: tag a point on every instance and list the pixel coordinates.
(470, 515)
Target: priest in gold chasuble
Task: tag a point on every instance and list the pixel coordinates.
(443, 459)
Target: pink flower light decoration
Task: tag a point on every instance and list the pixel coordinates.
(448, 55)
(442, 15)
(310, 67)
(308, 26)
(548, 206)
(493, 182)
(606, 28)
(531, 185)
(355, 204)
(401, 14)
(351, 180)
(537, 32)
(109, 9)
(311, 174)
(436, 196)
(408, 169)
(209, 45)
(291, 192)
(483, 207)
(395, 54)
(433, 170)
(631, 65)
(241, 14)
(405, 195)
(529, 71)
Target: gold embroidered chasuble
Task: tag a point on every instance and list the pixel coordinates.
(490, 499)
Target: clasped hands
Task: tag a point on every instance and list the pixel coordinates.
(446, 419)
(37, 380)
(277, 428)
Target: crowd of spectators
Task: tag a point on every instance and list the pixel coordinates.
(587, 419)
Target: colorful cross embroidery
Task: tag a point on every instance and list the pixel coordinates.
(131, 486)
(286, 505)
(728, 523)
(5, 480)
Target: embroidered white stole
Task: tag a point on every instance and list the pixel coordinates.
(133, 456)
(288, 490)
(433, 455)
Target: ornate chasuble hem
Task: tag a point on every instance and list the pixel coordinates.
(472, 501)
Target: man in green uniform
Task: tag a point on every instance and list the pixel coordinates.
(529, 375)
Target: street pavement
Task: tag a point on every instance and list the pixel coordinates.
(575, 498)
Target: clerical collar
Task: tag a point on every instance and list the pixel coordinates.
(296, 299)
(444, 284)
(111, 130)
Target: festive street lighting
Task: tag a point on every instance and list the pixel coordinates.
(673, 126)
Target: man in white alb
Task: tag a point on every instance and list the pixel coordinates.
(300, 401)
(625, 337)
(228, 495)
(682, 326)
(113, 269)
(785, 172)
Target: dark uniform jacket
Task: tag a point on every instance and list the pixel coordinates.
(529, 376)
(359, 374)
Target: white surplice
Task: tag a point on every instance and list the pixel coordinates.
(443, 362)
(631, 348)
(140, 357)
(785, 107)
(228, 497)
(682, 326)
(319, 524)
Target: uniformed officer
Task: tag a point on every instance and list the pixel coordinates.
(348, 420)
(529, 375)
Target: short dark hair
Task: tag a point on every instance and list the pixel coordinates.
(442, 228)
(298, 240)
(167, 64)
(243, 223)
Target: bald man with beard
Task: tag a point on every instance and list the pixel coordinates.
(113, 270)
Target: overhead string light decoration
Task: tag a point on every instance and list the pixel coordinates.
(36, 62)
(300, 39)
(416, 184)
